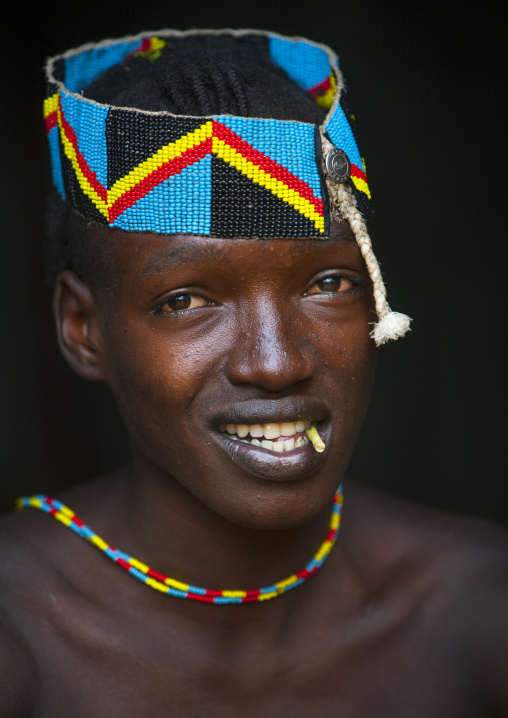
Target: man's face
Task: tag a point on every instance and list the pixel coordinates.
(200, 333)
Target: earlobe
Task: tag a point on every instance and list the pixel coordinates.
(78, 327)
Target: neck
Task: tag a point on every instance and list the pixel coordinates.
(155, 519)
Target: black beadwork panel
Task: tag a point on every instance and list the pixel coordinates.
(75, 195)
(362, 202)
(242, 208)
(51, 88)
(127, 147)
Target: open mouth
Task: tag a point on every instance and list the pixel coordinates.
(278, 437)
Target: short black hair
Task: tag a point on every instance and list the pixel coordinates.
(195, 75)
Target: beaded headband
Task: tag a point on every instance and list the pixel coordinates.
(220, 175)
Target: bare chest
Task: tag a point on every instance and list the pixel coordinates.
(133, 668)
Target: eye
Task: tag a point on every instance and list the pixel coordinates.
(333, 284)
(181, 302)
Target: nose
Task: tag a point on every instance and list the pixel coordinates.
(270, 349)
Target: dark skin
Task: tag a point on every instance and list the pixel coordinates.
(408, 617)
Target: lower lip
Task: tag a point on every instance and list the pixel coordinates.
(266, 464)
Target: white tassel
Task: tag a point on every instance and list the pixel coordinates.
(390, 327)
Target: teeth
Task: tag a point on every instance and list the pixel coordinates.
(289, 444)
(301, 441)
(269, 431)
(288, 429)
(266, 435)
(272, 431)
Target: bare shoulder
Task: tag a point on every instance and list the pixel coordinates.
(35, 587)
(412, 527)
(34, 570)
(453, 571)
(16, 676)
(464, 556)
(17, 600)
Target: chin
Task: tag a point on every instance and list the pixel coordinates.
(271, 506)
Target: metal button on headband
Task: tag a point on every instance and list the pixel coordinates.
(338, 165)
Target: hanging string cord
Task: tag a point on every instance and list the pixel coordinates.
(390, 325)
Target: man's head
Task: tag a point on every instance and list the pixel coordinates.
(253, 308)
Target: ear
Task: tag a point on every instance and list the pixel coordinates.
(78, 327)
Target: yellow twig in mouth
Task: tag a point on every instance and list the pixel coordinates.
(317, 441)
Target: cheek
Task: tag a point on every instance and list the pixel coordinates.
(348, 361)
(356, 369)
(345, 347)
(155, 376)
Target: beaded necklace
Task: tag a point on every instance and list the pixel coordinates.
(171, 586)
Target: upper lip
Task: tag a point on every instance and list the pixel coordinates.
(265, 411)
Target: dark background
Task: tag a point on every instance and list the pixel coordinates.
(426, 83)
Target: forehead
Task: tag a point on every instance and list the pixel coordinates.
(149, 253)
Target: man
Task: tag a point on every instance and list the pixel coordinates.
(212, 264)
